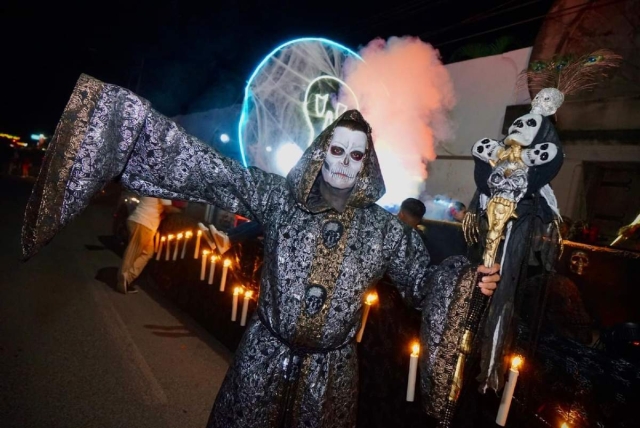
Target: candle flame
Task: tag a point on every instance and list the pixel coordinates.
(205, 252)
(415, 349)
(238, 290)
(189, 234)
(248, 294)
(565, 425)
(170, 237)
(516, 362)
(371, 298)
(199, 233)
(180, 235)
(227, 262)
(164, 238)
(214, 258)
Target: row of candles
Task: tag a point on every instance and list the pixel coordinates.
(160, 240)
(371, 298)
(184, 237)
(509, 388)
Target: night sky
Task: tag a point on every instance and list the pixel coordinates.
(190, 56)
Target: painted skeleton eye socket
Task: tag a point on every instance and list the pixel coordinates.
(337, 150)
(357, 156)
(532, 122)
(518, 123)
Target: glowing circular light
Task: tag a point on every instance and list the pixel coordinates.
(287, 156)
(225, 138)
(290, 96)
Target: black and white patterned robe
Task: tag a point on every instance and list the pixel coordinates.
(296, 365)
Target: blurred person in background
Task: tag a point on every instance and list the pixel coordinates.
(142, 225)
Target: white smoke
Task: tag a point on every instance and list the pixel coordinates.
(405, 93)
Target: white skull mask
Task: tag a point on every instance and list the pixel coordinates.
(343, 160)
(524, 129)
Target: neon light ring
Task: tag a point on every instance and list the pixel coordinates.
(291, 96)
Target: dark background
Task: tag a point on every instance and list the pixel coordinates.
(187, 56)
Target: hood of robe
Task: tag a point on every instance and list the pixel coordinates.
(369, 185)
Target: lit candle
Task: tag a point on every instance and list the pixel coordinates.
(371, 298)
(565, 425)
(225, 267)
(198, 236)
(507, 394)
(245, 307)
(234, 306)
(413, 370)
(203, 268)
(213, 269)
(175, 251)
(169, 239)
(187, 236)
(162, 240)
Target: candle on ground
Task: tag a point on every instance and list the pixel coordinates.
(507, 393)
(413, 370)
(169, 239)
(162, 241)
(187, 236)
(197, 250)
(225, 267)
(175, 251)
(212, 272)
(245, 307)
(203, 267)
(370, 300)
(234, 306)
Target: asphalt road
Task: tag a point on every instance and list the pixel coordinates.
(75, 353)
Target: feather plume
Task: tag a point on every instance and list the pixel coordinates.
(570, 74)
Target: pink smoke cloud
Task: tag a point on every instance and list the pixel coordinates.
(405, 93)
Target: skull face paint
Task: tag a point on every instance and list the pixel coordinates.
(524, 129)
(344, 158)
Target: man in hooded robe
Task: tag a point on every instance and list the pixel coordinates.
(326, 243)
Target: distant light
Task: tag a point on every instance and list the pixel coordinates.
(287, 156)
(269, 148)
(225, 138)
(247, 89)
(37, 136)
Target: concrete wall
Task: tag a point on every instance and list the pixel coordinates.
(484, 88)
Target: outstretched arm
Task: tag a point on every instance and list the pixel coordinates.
(106, 132)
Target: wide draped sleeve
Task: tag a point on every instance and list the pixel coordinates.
(442, 293)
(107, 132)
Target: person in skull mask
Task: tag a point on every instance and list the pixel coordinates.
(326, 243)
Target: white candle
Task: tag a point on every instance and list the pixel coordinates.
(245, 307)
(175, 251)
(225, 267)
(198, 236)
(234, 306)
(213, 269)
(371, 298)
(162, 240)
(187, 236)
(413, 370)
(507, 393)
(203, 267)
(169, 239)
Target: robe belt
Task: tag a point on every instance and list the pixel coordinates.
(298, 349)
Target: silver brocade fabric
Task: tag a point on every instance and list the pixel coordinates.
(314, 277)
